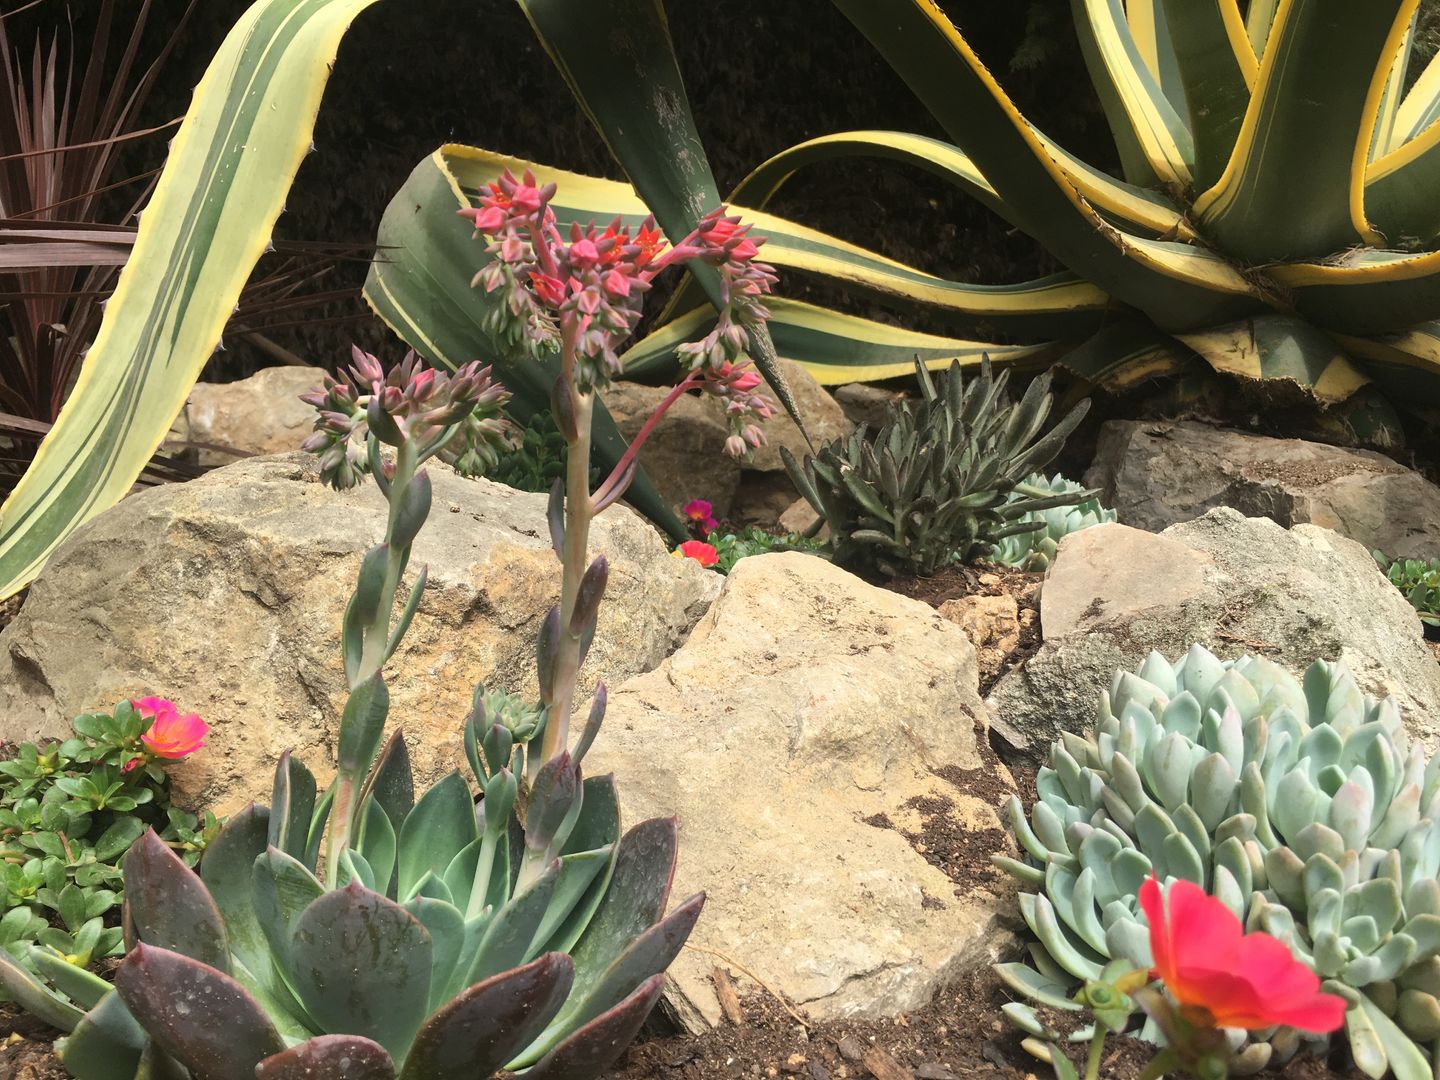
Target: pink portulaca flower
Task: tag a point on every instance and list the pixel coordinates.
(172, 735)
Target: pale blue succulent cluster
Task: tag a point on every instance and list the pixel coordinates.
(1036, 550)
(1302, 804)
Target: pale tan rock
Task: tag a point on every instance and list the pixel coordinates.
(1231, 583)
(866, 404)
(226, 595)
(259, 415)
(800, 516)
(992, 623)
(804, 704)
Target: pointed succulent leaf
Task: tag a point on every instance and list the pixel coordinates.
(292, 807)
(106, 1044)
(35, 997)
(228, 873)
(510, 939)
(350, 1056)
(592, 1049)
(169, 906)
(440, 826)
(175, 999)
(486, 1025)
(361, 965)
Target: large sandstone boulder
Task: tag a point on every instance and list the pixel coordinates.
(226, 594)
(821, 741)
(1157, 474)
(259, 415)
(1231, 583)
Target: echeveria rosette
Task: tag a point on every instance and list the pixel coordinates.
(458, 416)
(1302, 805)
(1035, 550)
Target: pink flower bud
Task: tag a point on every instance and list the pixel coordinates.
(584, 254)
(617, 284)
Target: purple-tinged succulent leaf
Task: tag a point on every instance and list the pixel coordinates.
(227, 871)
(362, 727)
(343, 1057)
(552, 797)
(292, 807)
(592, 1049)
(592, 722)
(440, 827)
(639, 889)
(578, 873)
(106, 1044)
(200, 1016)
(592, 591)
(547, 649)
(648, 955)
(511, 932)
(392, 782)
(414, 508)
(597, 827)
(361, 965)
(555, 514)
(478, 1031)
(170, 907)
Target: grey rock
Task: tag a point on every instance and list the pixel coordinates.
(804, 704)
(1157, 474)
(1231, 583)
(685, 455)
(225, 594)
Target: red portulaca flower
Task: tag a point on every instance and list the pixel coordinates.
(703, 553)
(1221, 975)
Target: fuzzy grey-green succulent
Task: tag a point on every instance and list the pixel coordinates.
(944, 478)
(1302, 805)
(1035, 550)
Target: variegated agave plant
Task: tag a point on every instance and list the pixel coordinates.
(1302, 805)
(1036, 550)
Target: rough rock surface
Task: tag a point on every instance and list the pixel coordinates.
(992, 623)
(797, 733)
(865, 404)
(259, 415)
(226, 594)
(684, 455)
(1234, 584)
(1156, 474)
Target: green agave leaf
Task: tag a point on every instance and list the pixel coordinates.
(1216, 67)
(420, 286)
(1176, 284)
(350, 1056)
(1294, 185)
(476, 1032)
(362, 966)
(170, 995)
(838, 348)
(592, 1049)
(245, 134)
(644, 117)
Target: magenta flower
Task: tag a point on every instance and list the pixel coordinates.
(700, 513)
(171, 735)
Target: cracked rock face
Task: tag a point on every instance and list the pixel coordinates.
(1156, 474)
(226, 595)
(1231, 583)
(800, 734)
